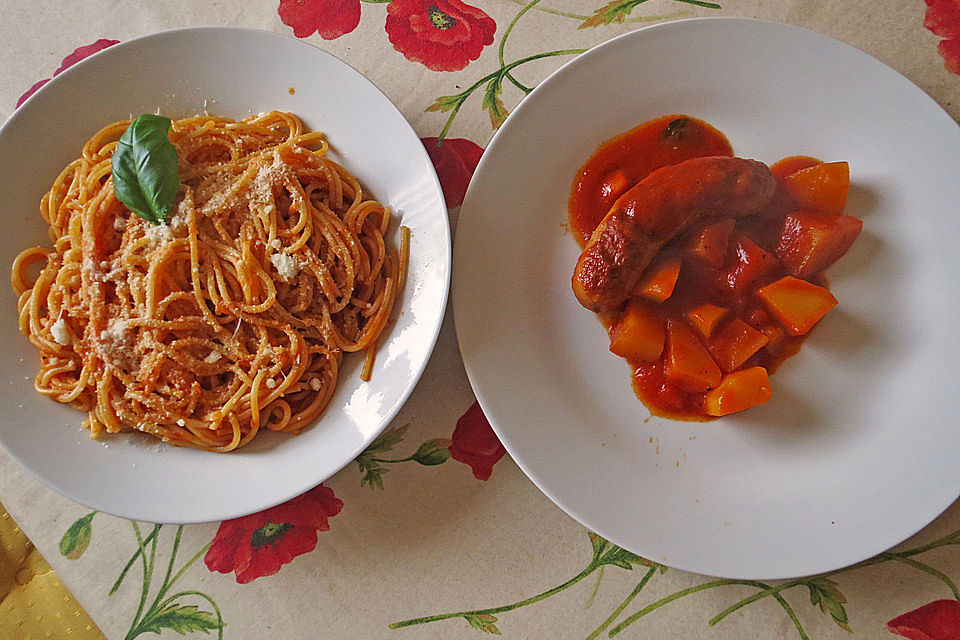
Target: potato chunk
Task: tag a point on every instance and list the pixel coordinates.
(822, 187)
(798, 304)
(688, 362)
(810, 241)
(659, 280)
(639, 335)
(705, 317)
(738, 391)
(735, 343)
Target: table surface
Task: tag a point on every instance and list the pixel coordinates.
(466, 545)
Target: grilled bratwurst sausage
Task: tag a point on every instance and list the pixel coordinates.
(659, 207)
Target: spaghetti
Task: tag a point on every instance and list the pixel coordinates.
(232, 316)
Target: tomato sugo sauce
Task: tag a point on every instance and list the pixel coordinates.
(721, 293)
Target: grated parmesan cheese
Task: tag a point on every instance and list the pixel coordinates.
(286, 265)
(212, 357)
(60, 333)
(271, 383)
(117, 344)
(91, 269)
(315, 384)
(269, 176)
(178, 220)
(181, 422)
(119, 223)
(159, 233)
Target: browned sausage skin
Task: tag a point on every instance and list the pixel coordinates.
(660, 206)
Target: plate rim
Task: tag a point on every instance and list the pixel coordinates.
(460, 310)
(227, 512)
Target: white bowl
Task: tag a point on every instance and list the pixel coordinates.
(860, 445)
(234, 73)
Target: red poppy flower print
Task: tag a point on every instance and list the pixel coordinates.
(78, 54)
(938, 620)
(455, 160)
(329, 18)
(259, 544)
(474, 443)
(943, 19)
(32, 90)
(444, 35)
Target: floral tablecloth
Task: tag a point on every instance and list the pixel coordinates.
(433, 532)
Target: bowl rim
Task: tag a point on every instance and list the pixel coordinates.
(460, 310)
(227, 512)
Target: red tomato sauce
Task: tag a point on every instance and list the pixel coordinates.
(623, 161)
(620, 163)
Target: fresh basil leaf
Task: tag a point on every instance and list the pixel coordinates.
(145, 168)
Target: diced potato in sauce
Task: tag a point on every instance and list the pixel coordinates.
(748, 263)
(812, 241)
(735, 344)
(688, 361)
(797, 303)
(659, 280)
(710, 244)
(639, 335)
(705, 317)
(738, 391)
(822, 187)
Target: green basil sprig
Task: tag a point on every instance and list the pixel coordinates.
(145, 168)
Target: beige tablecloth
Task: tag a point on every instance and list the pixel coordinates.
(455, 542)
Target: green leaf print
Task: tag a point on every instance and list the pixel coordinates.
(492, 102)
(77, 537)
(371, 467)
(373, 477)
(445, 103)
(616, 11)
(598, 543)
(387, 441)
(179, 618)
(605, 553)
(624, 559)
(432, 452)
(484, 622)
(826, 594)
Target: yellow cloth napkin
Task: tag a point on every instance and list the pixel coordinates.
(34, 604)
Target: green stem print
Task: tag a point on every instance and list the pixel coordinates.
(824, 592)
(620, 10)
(491, 101)
(604, 553)
(429, 453)
(492, 83)
(623, 605)
(171, 612)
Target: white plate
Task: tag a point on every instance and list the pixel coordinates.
(860, 446)
(235, 73)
